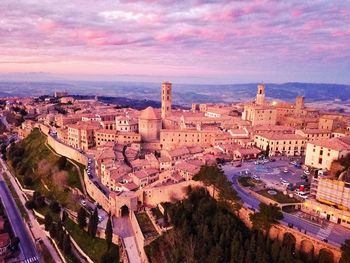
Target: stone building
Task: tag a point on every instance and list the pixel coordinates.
(321, 153)
(150, 125)
(166, 99)
(281, 143)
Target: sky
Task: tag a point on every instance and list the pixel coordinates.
(199, 41)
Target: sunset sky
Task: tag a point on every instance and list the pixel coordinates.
(188, 41)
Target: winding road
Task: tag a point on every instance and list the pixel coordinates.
(336, 234)
(27, 245)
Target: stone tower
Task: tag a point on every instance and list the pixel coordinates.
(166, 99)
(299, 102)
(260, 96)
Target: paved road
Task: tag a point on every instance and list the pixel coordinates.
(36, 229)
(335, 234)
(27, 245)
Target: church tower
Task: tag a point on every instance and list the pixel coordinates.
(260, 96)
(166, 99)
(300, 102)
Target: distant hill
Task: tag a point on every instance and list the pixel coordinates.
(183, 94)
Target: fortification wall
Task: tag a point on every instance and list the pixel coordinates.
(166, 193)
(139, 238)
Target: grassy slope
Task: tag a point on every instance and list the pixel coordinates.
(35, 152)
(93, 247)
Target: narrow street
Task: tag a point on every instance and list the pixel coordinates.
(122, 227)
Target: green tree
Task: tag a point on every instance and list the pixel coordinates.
(82, 218)
(53, 231)
(62, 162)
(64, 215)
(166, 218)
(267, 151)
(111, 255)
(27, 180)
(55, 207)
(48, 221)
(268, 215)
(60, 233)
(109, 232)
(93, 222)
(67, 247)
(345, 251)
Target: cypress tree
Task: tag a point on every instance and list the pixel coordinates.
(67, 249)
(82, 218)
(93, 222)
(109, 232)
(48, 221)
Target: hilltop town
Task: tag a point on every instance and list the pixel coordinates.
(134, 161)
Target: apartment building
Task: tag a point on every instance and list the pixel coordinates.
(331, 200)
(281, 143)
(321, 153)
(82, 135)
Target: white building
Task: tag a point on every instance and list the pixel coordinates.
(321, 153)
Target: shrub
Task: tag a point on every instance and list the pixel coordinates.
(55, 207)
(27, 180)
(30, 204)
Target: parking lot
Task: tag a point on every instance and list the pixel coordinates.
(271, 173)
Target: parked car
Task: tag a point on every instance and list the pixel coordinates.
(284, 182)
(307, 172)
(255, 177)
(291, 187)
(297, 165)
(303, 195)
(285, 170)
(83, 202)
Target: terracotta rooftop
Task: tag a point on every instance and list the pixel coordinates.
(337, 144)
(281, 136)
(149, 114)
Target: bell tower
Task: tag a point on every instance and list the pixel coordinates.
(260, 96)
(166, 99)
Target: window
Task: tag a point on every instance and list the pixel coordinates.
(320, 160)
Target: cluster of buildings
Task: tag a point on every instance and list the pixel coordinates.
(135, 151)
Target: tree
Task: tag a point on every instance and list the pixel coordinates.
(109, 232)
(268, 215)
(82, 218)
(30, 204)
(27, 180)
(60, 233)
(166, 218)
(93, 222)
(62, 162)
(67, 247)
(64, 215)
(52, 231)
(48, 221)
(111, 255)
(345, 251)
(267, 151)
(55, 207)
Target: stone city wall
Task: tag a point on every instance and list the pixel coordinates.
(166, 193)
(96, 193)
(139, 238)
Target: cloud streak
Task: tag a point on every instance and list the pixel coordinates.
(220, 38)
